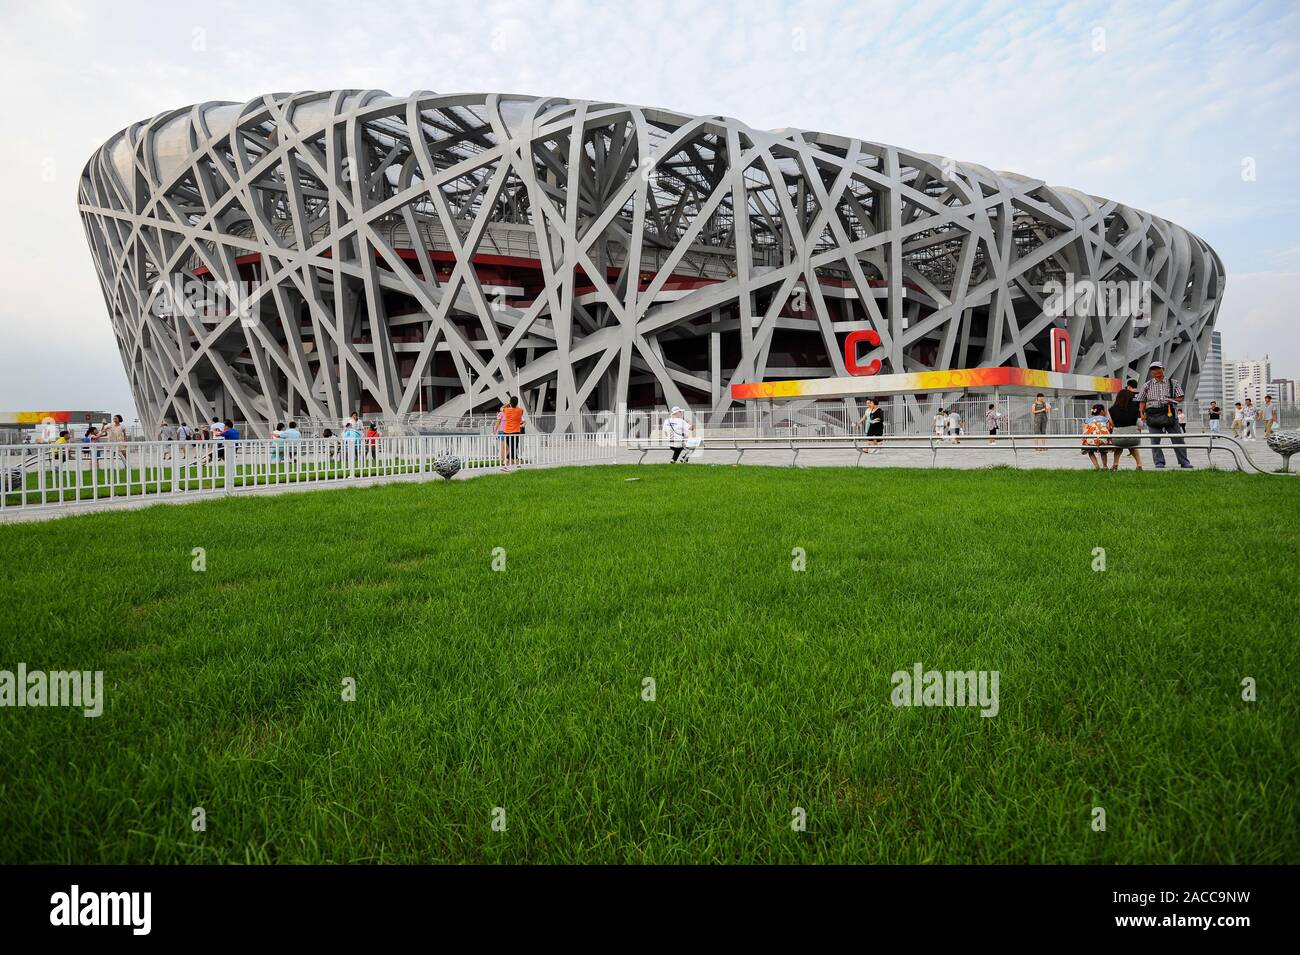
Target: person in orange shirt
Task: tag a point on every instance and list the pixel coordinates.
(514, 419)
(372, 441)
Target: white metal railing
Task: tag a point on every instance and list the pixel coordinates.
(1207, 442)
(63, 475)
(785, 418)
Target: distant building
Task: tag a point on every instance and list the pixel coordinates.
(1246, 378)
(1283, 390)
(1210, 386)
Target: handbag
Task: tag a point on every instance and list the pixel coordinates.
(1160, 417)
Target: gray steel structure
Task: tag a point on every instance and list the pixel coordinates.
(441, 252)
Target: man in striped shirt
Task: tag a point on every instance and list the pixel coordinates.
(1158, 402)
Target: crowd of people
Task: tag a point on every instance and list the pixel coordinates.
(947, 424)
(111, 430)
(1152, 409)
(1138, 414)
(1246, 418)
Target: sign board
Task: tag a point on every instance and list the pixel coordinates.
(1005, 379)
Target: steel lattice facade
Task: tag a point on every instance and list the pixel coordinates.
(439, 253)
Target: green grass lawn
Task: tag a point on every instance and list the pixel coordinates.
(522, 689)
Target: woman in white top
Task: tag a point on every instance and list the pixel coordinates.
(940, 423)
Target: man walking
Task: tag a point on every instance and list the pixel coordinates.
(1158, 402)
(954, 425)
(1268, 411)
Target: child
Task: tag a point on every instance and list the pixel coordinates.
(372, 441)
(1097, 425)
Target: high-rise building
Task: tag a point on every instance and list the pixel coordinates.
(1210, 386)
(1246, 378)
(1283, 390)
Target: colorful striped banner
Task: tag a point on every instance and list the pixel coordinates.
(954, 379)
(34, 417)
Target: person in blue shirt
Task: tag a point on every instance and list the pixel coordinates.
(352, 442)
(289, 438)
(230, 433)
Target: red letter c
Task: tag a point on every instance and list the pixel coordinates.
(851, 352)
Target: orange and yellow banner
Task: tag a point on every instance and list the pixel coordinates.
(34, 417)
(953, 379)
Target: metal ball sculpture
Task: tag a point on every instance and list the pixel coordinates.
(446, 465)
(1285, 443)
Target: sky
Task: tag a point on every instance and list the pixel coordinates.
(1190, 110)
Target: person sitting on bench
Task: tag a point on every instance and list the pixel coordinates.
(676, 428)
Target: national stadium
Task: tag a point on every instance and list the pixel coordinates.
(431, 253)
